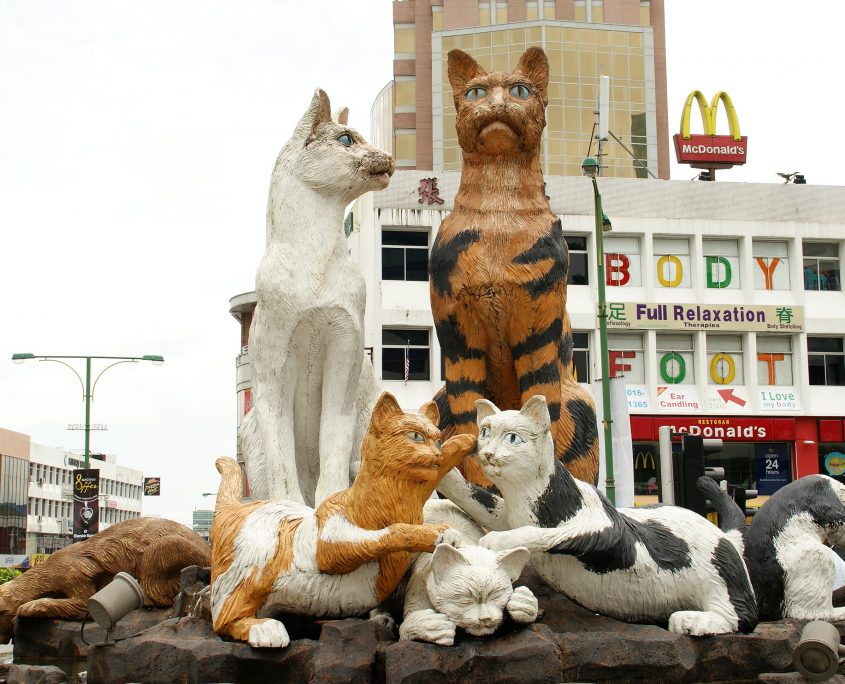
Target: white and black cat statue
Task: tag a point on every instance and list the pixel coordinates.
(661, 564)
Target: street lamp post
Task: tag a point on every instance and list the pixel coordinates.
(87, 388)
(591, 169)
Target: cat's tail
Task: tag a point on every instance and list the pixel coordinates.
(731, 516)
(231, 482)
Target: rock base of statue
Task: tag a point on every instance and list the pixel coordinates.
(567, 644)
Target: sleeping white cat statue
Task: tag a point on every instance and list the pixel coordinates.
(661, 564)
(467, 586)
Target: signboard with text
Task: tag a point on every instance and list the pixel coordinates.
(715, 317)
(772, 467)
(709, 150)
(86, 503)
(152, 486)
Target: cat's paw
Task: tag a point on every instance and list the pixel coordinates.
(449, 536)
(428, 625)
(268, 634)
(699, 623)
(382, 617)
(522, 606)
(456, 447)
(500, 541)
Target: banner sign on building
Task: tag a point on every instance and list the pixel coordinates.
(772, 467)
(152, 486)
(715, 317)
(86, 503)
(710, 151)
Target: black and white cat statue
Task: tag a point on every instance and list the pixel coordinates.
(656, 565)
(787, 546)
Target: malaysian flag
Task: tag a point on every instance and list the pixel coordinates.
(407, 363)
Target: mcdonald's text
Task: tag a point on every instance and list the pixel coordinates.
(710, 150)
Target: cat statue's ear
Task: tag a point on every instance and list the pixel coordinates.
(534, 65)
(430, 411)
(341, 116)
(319, 111)
(537, 410)
(385, 410)
(446, 556)
(484, 409)
(512, 561)
(462, 69)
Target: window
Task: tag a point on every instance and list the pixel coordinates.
(672, 262)
(675, 359)
(622, 261)
(581, 355)
(826, 361)
(772, 265)
(724, 359)
(404, 254)
(832, 460)
(821, 266)
(396, 342)
(721, 264)
(774, 360)
(625, 351)
(577, 246)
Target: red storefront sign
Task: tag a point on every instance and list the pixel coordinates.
(704, 151)
(731, 429)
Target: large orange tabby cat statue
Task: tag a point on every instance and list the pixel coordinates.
(499, 265)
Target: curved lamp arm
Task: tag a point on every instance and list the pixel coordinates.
(67, 365)
(99, 375)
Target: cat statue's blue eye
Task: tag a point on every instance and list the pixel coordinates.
(437, 443)
(475, 93)
(345, 139)
(485, 432)
(416, 437)
(520, 91)
(514, 439)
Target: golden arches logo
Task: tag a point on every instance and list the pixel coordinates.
(709, 150)
(708, 114)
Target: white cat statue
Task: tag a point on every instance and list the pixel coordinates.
(466, 586)
(312, 390)
(640, 565)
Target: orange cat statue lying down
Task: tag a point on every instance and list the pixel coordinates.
(346, 556)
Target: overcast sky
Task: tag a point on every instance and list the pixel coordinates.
(136, 144)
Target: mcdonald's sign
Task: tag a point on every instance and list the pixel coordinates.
(708, 150)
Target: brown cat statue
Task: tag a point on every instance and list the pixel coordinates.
(152, 550)
(499, 265)
(344, 558)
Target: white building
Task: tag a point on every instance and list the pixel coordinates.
(36, 506)
(50, 500)
(727, 315)
(726, 311)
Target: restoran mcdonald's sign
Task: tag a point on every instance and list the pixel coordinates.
(710, 151)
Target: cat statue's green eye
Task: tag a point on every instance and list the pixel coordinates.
(514, 439)
(520, 91)
(485, 432)
(416, 437)
(345, 139)
(475, 93)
